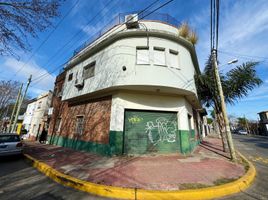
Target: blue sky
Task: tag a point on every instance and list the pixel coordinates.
(242, 35)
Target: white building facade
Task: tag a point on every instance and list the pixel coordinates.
(28, 116)
(38, 110)
(146, 73)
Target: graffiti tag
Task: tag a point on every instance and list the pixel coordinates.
(161, 130)
(135, 119)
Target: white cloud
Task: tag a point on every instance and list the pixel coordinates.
(243, 30)
(21, 71)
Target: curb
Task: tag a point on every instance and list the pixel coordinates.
(131, 193)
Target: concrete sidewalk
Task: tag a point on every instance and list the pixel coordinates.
(207, 166)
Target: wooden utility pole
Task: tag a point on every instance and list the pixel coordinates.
(14, 109)
(20, 103)
(223, 107)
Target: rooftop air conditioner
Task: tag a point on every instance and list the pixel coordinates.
(79, 83)
(131, 20)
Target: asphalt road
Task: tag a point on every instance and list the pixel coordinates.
(255, 148)
(18, 180)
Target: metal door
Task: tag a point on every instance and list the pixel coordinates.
(150, 132)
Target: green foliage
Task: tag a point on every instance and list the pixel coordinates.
(209, 120)
(242, 121)
(236, 83)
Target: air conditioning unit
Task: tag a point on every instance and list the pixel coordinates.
(132, 21)
(79, 83)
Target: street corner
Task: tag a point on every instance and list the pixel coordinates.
(195, 192)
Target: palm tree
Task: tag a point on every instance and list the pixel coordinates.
(236, 84)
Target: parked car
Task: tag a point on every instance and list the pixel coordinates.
(242, 132)
(10, 144)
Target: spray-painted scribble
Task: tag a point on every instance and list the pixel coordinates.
(164, 129)
(135, 119)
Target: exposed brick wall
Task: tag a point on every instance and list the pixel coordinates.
(96, 120)
(96, 114)
(56, 102)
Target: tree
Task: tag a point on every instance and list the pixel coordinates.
(242, 122)
(236, 84)
(22, 19)
(8, 94)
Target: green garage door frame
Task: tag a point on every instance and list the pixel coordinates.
(150, 132)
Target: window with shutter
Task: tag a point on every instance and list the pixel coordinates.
(159, 56)
(89, 70)
(143, 57)
(173, 58)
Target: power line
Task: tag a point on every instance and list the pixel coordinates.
(69, 41)
(46, 74)
(48, 36)
(243, 55)
(211, 46)
(217, 22)
(130, 19)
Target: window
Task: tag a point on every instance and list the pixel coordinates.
(34, 129)
(89, 70)
(9, 138)
(190, 122)
(173, 58)
(159, 56)
(70, 77)
(142, 56)
(79, 125)
(58, 124)
(39, 104)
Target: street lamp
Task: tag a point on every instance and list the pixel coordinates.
(232, 61)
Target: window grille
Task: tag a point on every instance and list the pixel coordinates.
(79, 125)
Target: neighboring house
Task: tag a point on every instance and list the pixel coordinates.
(206, 128)
(131, 91)
(40, 115)
(263, 123)
(56, 103)
(28, 116)
(18, 126)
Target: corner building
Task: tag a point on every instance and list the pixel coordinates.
(130, 91)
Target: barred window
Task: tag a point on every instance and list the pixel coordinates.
(58, 124)
(79, 125)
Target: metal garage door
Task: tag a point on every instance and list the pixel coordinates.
(150, 132)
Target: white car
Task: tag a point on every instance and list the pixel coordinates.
(10, 144)
(242, 132)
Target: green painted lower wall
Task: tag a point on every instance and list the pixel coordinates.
(116, 142)
(188, 141)
(185, 144)
(103, 149)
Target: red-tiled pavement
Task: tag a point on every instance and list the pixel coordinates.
(163, 172)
